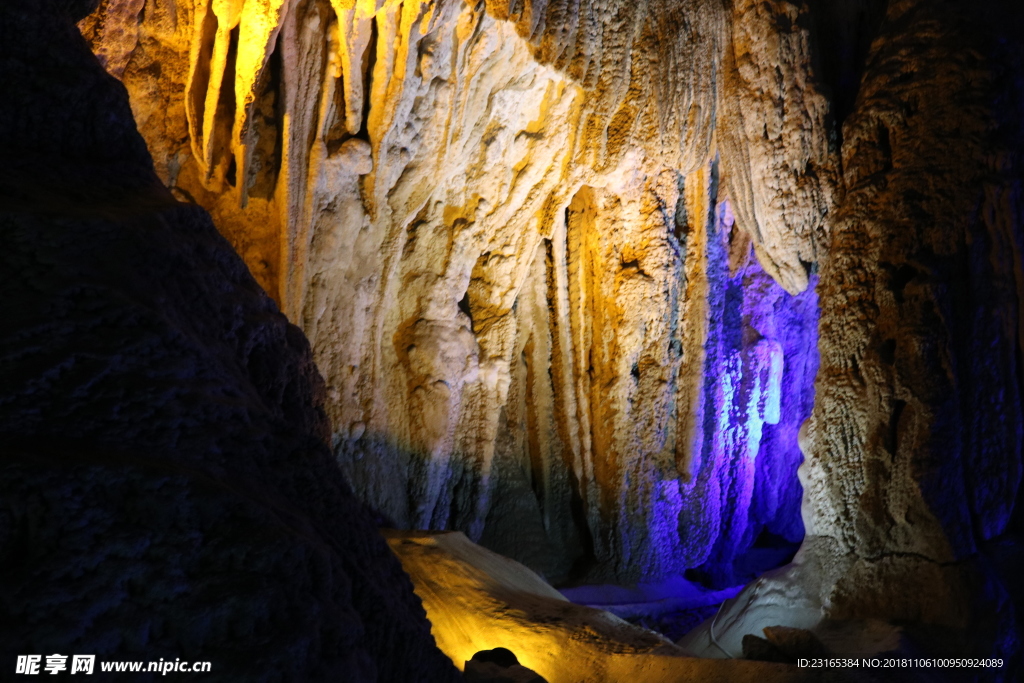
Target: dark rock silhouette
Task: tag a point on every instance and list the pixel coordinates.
(166, 490)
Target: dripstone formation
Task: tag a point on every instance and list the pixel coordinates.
(508, 232)
(626, 291)
(166, 487)
(914, 446)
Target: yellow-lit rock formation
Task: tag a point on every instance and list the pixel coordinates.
(477, 600)
(493, 224)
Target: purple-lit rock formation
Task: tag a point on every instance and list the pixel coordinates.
(761, 357)
(165, 486)
(590, 281)
(913, 449)
(496, 224)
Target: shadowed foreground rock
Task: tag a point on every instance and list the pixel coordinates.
(165, 491)
(499, 665)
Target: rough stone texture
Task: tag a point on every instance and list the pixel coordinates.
(519, 238)
(477, 600)
(775, 144)
(913, 449)
(496, 236)
(914, 446)
(783, 644)
(166, 487)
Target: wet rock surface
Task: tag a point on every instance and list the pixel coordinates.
(479, 602)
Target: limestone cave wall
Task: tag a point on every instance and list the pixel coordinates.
(519, 239)
(592, 282)
(914, 446)
(166, 484)
(560, 264)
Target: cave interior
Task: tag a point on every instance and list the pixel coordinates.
(517, 340)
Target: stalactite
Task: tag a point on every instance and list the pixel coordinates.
(555, 258)
(393, 171)
(355, 28)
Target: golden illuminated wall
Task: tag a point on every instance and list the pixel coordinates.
(554, 257)
(479, 215)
